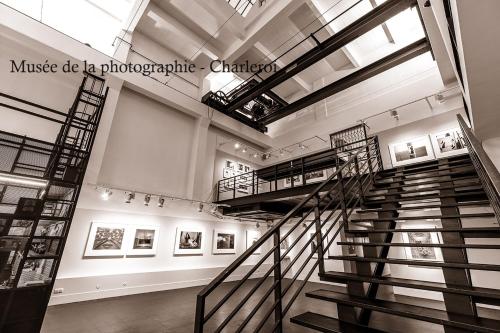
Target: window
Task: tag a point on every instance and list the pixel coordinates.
(242, 6)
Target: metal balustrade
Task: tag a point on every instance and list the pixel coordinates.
(297, 247)
(486, 170)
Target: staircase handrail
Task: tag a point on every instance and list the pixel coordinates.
(486, 170)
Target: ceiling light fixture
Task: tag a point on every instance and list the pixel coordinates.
(257, 225)
(200, 207)
(18, 180)
(130, 197)
(282, 152)
(255, 155)
(161, 202)
(106, 194)
(237, 145)
(244, 150)
(394, 113)
(147, 199)
(301, 146)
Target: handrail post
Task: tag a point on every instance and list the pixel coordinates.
(234, 187)
(358, 178)
(342, 198)
(200, 314)
(276, 177)
(253, 182)
(319, 237)
(278, 311)
(368, 156)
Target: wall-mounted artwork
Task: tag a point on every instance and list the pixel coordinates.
(242, 183)
(411, 151)
(188, 241)
(297, 181)
(144, 240)
(105, 239)
(422, 252)
(252, 237)
(315, 176)
(224, 242)
(448, 143)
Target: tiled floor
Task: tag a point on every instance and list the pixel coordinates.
(173, 312)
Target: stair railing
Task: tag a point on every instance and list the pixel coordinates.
(486, 170)
(241, 294)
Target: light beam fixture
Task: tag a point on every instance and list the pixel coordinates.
(106, 194)
(200, 207)
(161, 202)
(147, 199)
(130, 197)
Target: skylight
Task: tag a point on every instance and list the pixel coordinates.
(242, 6)
(96, 22)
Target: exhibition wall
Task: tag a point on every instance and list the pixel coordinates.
(424, 127)
(85, 278)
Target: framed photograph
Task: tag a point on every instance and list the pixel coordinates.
(105, 239)
(189, 241)
(448, 143)
(247, 168)
(315, 176)
(229, 165)
(240, 168)
(224, 242)
(422, 253)
(297, 181)
(411, 151)
(242, 183)
(252, 237)
(143, 240)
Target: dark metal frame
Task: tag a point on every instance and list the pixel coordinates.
(352, 179)
(246, 93)
(486, 170)
(64, 168)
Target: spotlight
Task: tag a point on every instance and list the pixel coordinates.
(257, 225)
(106, 194)
(301, 146)
(237, 145)
(214, 209)
(161, 202)
(200, 207)
(439, 98)
(130, 197)
(255, 155)
(282, 152)
(304, 225)
(147, 199)
(394, 113)
(427, 3)
(269, 225)
(244, 150)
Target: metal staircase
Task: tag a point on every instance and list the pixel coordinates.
(390, 225)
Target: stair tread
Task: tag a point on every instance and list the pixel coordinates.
(411, 311)
(480, 229)
(455, 173)
(328, 324)
(458, 204)
(458, 246)
(397, 261)
(406, 173)
(427, 189)
(415, 284)
(424, 196)
(456, 179)
(438, 217)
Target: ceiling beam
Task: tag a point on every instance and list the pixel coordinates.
(363, 25)
(409, 52)
(387, 32)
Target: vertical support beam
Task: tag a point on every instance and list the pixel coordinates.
(456, 305)
(278, 311)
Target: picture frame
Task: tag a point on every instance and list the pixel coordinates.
(252, 237)
(315, 176)
(189, 241)
(143, 240)
(105, 239)
(297, 181)
(449, 143)
(224, 242)
(411, 151)
(422, 253)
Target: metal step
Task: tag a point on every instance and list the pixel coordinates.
(476, 186)
(423, 217)
(440, 317)
(458, 204)
(451, 246)
(457, 179)
(327, 324)
(342, 277)
(486, 232)
(396, 261)
(426, 196)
